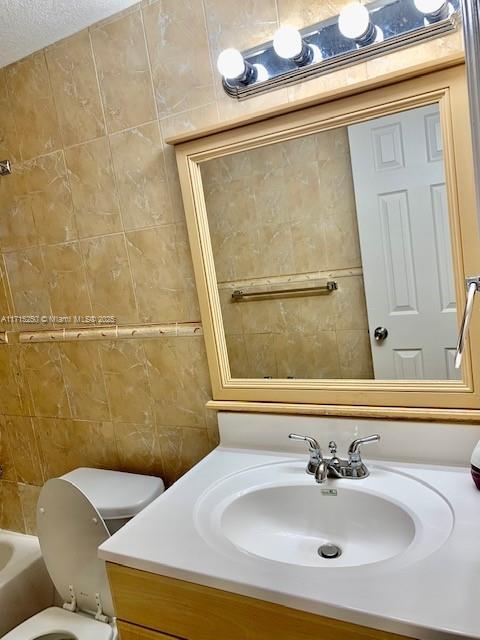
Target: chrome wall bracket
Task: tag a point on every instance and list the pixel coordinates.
(397, 24)
(473, 280)
(5, 168)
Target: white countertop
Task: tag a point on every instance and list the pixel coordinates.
(435, 598)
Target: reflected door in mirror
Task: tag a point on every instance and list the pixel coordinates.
(402, 213)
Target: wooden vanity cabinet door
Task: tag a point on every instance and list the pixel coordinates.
(194, 612)
(132, 632)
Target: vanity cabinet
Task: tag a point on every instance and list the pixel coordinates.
(149, 606)
(129, 631)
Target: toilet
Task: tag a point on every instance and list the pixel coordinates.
(75, 514)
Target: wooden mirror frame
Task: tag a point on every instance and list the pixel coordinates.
(437, 400)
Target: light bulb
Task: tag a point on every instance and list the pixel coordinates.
(231, 64)
(288, 43)
(261, 72)
(429, 6)
(354, 20)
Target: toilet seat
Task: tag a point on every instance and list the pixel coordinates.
(56, 620)
(70, 530)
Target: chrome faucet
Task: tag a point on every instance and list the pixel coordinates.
(334, 467)
(316, 456)
(354, 463)
(321, 472)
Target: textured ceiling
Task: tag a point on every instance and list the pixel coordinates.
(29, 25)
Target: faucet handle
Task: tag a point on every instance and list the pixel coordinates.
(354, 448)
(312, 443)
(314, 449)
(355, 467)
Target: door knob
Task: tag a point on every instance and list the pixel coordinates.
(380, 334)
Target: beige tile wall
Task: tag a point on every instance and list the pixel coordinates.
(284, 210)
(91, 221)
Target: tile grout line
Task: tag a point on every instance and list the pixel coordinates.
(36, 438)
(145, 364)
(59, 126)
(123, 13)
(109, 133)
(80, 250)
(8, 288)
(149, 63)
(78, 240)
(212, 62)
(169, 179)
(26, 403)
(116, 183)
(12, 111)
(159, 131)
(277, 11)
(216, 84)
(81, 239)
(64, 381)
(99, 87)
(62, 148)
(87, 141)
(89, 421)
(42, 249)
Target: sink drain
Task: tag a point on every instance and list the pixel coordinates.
(329, 551)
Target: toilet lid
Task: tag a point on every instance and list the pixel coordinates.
(116, 494)
(70, 531)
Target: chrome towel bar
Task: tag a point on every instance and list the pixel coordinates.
(473, 286)
(314, 287)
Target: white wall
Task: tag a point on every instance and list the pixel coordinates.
(433, 443)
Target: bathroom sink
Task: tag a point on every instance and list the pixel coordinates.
(291, 523)
(277, 512)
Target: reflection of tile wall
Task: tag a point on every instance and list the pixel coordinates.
(322, 336)
(92, 221)
(284, 210)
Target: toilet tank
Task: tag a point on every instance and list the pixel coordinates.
(117, 496)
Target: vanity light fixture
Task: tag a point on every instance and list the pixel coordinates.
(354, 23)
(289, 44)
(361, 32)
(433, 10)
(234, 68)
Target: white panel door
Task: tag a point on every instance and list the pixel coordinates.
(402, 210)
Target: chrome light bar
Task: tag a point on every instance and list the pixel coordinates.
(394, 24)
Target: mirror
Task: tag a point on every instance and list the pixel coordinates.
(333, 253)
